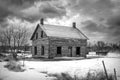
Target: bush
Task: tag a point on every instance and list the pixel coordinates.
(14, 66)
(97, 76)
(89, 76)
(62, 76)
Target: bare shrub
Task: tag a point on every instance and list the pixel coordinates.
(62, 76)
(14, 66)
(89, 76)
(96, 76)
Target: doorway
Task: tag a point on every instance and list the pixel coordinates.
(78, 51)
(70, 50)
(42, 50)
(59, 50)
(35, 50)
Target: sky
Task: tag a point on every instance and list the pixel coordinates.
(99, 20)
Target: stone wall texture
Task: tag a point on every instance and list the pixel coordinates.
(51, 43)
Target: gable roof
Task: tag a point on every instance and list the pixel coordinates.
(60, 31)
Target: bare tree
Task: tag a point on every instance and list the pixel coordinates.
(14, 36)
(20, 36)
(8, 36)
(2, 39)
(3, 42)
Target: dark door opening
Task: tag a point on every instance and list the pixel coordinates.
(70, 50)
(78, 51)
(58, 50)
(42, 50)
(35, 50)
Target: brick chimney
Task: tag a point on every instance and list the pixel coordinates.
(74, 24)
(42, 21)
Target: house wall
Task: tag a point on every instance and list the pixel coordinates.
(40, 42)
(51, 43)
(65, 43)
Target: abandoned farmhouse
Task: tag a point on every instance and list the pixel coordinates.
(51, 41)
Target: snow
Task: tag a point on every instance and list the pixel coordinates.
(113, 54)
(5, 74)
(35, 70)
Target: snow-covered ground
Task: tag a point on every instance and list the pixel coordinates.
(38, 70)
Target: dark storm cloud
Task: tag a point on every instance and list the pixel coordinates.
(12, 7)
(110, 31)
(105, 14)
(92, 26)
(49, 9)
(18, 2)
(52, 11)
(26, 9)
(44, 9)
(114, 20)
(114, 25)
(94, 8)
(3, 14)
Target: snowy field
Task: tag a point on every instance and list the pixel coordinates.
(39, 70)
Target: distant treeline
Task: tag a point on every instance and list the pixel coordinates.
(7, 49)
(101, 46)
(14, 38)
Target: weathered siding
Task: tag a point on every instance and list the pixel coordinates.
(40, 42)
(51, 43)
(65, 43)
(39, 34)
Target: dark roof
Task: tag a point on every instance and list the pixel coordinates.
(61, 31)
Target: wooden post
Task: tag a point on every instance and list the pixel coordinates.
(105, 70)
(75, 77)
(115, 74)
(24, 56)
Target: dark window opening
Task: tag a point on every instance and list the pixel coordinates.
(58, 50)
(42, 50)
(41, 34)
(35, 50)
(77, 50)
(36, 35)
(70, 50)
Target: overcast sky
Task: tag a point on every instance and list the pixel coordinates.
(98, 19)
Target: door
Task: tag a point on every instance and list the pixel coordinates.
(70, 51)
(78, 51)
(42, 50)
(59, 50)
(35, 50)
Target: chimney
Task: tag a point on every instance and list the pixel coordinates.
(42, 21)
(74, 24)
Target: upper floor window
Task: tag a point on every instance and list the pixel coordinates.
(36, 35)
(41, 34)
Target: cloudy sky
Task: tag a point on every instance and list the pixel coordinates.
(98, 19)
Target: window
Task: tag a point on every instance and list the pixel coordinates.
(42, 50)
(59, 50)
(41, 34)
(77, 50)
(36, 35)
(35, 50)
(70, 50)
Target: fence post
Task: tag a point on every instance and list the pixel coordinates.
(115, 74)
(105, 70)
